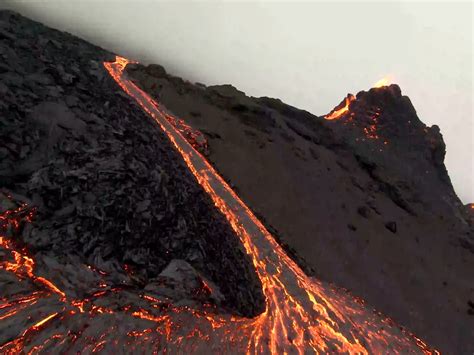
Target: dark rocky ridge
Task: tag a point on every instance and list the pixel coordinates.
(108, 186)
(412, 153)
(332, 200)
(380, 219)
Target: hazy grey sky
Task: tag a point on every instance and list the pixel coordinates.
(309, 54)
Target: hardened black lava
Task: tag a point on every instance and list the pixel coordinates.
(107, 184)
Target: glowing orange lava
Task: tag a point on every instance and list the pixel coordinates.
(337, 113)
(302, 315)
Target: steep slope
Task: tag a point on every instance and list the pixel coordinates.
(109, 190)
(109, 221)
(363, 196)
(108, 241)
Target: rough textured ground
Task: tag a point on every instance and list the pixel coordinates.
(380, 219)
(107, 184)
(302, 314)
(365, 199)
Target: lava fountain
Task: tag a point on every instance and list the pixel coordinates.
(383, 82)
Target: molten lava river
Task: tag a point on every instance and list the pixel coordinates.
(302, 315)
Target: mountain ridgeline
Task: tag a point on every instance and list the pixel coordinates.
(109, 215)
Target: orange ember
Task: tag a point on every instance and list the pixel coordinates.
(43, 321)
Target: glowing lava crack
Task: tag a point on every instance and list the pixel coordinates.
(302, 315)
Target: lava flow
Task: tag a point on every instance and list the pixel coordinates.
(337, 113)
(302, 315)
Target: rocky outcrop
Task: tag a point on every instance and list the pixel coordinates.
(382, 128)
(107, 185)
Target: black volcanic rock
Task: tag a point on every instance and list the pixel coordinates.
(391, 226)
(112, 195)
(402, 155)
(365, 199)
(109, 188)
(156, 70)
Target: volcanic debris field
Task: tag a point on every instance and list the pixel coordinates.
(104, 228)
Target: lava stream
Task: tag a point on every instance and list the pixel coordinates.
(302, 315)
(337, 113)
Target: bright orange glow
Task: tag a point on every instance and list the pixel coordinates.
(302, 315)
(383, 82)
(337, 113)
(43, 321)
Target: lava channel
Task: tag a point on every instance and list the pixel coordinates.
(302, 315)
